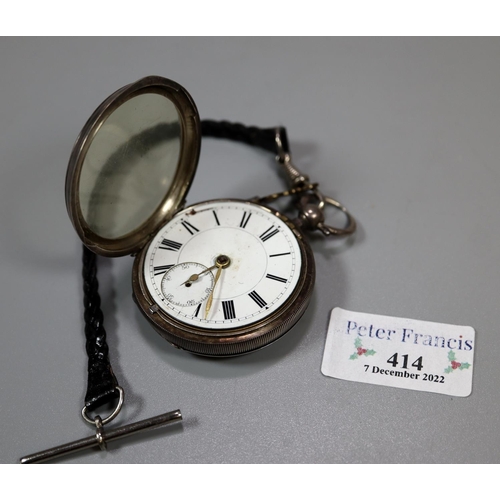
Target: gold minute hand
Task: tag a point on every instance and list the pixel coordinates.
(211, 296)
(221, 261)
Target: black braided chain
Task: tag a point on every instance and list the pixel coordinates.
(261, 137)
(102, 383)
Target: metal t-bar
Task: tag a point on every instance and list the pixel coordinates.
(104, 435)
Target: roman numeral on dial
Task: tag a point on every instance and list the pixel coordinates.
(228, 309)
(216, 218)
(276, 278)
(161, 269)
(269, 233)
(245, 219)
(191, 229)
(173, 246)
(257, 299)
(197, 310)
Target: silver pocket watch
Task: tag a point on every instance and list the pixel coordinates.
(218, 278)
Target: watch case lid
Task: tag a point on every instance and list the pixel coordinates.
(132, 165)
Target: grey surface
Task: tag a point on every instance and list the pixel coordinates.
(403, 131)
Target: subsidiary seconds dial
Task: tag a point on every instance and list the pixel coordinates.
(177, 289)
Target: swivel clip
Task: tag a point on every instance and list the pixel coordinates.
(311, 206)
(296, 179)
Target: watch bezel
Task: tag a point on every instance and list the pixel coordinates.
(239, 340)
(186, 166)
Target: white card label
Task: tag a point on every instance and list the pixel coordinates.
(399, 352)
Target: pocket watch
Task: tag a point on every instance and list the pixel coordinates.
(218, 278)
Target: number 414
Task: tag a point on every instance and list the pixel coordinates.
(393, 360)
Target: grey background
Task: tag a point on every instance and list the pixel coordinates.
(403, 131)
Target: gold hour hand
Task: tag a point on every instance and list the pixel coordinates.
(221, 262)
(194, 277)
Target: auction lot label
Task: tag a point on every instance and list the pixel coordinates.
(399, 352)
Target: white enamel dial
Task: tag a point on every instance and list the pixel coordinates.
(263, 271)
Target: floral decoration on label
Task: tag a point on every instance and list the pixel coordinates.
(454, 364)
(360, 350)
